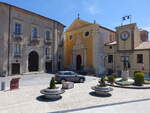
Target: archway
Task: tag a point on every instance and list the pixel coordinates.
(78, 62)
(33, 61)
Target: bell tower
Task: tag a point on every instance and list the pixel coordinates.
(128, 37)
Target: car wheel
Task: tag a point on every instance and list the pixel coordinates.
(81, 80)
(63, 80)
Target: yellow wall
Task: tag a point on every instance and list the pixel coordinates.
(78, 34)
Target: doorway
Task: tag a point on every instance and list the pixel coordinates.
(33, 61)
(15, 68)
(78, 62)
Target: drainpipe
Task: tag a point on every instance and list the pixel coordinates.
(9, 35)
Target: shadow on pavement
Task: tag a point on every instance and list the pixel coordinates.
(103, 105)
(43, 99)
(96, 95)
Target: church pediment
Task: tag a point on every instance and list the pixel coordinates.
(78, 23)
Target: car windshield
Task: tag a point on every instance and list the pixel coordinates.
(66, 73)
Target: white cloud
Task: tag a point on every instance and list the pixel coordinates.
(92, 7)
(147, 28)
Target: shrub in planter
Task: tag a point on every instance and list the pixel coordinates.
(138, 71)
(52, 83)
(52, 92)
(139, 78)
(102, 82)
(111, 79)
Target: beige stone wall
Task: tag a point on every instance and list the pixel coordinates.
(110, 51)
(137, 38)
(126, 48)
(117, 64)
(146, 61)
(4, 23)
(28, 20)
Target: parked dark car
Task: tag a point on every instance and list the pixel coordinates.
(71, 76)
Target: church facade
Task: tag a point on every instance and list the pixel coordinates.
(84, 46)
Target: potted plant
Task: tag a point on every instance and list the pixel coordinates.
(52, 92)
(139, 78)
(111, 79)
(102, 88)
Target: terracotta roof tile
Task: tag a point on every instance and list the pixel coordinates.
(144, 45)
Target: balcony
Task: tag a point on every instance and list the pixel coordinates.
(35, 40)
(17, 55)
(18, 36)
(48, 42)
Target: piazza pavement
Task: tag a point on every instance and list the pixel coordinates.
(80, 99)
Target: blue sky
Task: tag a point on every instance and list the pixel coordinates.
(107, 13)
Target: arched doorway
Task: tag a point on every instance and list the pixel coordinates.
(78, 62)
(33, 61)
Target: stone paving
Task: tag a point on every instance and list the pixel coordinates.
(76, 100)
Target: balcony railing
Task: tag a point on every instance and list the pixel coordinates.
(48, 41)
(17, 54)
(35, 39)
(18, 36)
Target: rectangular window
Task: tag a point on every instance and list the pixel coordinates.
(139, 58)
(47, 51)
(18, 29)
(47, 35)
(34, 33)
(110, 58)
(17, 49)
(124, 58)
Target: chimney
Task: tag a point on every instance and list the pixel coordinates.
(143, 35)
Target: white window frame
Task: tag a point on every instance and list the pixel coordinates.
(34, 35)
(50, 35)
(18, 28)
(17, 49)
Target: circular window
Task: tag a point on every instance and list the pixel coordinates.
(87, 33)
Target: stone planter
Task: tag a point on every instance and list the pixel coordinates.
(102, 90)
(52, 93)
(67, 85)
